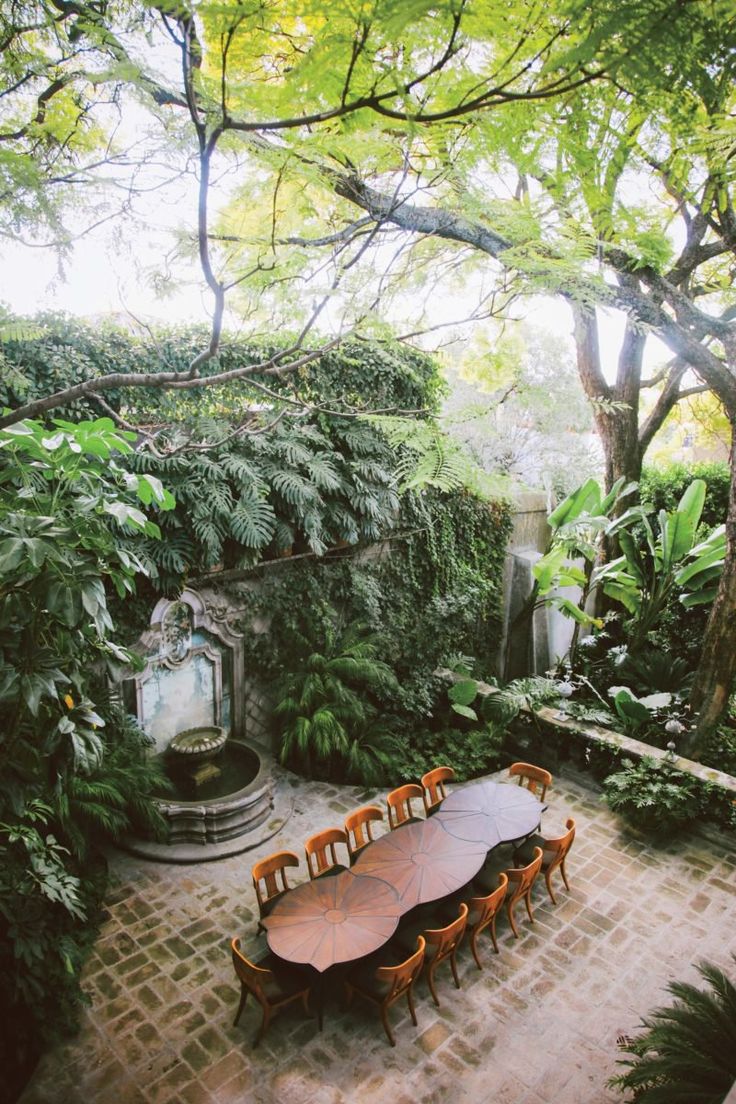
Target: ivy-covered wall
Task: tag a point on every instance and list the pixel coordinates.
(434, 591)
(319, 490)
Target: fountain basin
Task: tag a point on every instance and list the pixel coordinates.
(230, 813)
(197, 745)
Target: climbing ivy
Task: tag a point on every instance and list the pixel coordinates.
(52, 351)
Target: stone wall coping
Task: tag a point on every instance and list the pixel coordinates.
(608, 737)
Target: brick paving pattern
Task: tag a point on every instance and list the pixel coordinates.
(538, 1024)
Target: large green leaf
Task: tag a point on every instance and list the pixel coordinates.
(585, 499)
(692, 502)
(463, 692)
(709, 554)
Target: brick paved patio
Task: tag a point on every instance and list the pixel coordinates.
(539, 1024)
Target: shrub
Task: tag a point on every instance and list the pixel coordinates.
(662, 488)
(653, 796)
(686, 1051)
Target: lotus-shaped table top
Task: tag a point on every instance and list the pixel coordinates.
(333, 919)
(490, 812)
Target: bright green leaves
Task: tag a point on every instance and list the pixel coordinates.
(642, 578)
(64, 499)
(461, 694)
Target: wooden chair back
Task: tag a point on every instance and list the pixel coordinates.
(482, 914)
(320, 850)
(522, 880)
(251, 976)
(555, 853)
(531, 776)
(402, 977)
(253, 980)
(399, 804)
(446, 940)
(359, 828)
(271, 871)
(433, 787)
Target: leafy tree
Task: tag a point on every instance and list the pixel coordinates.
(556, 92)
(74, 772)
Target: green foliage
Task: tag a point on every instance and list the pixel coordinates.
(328, 716)
(302, 487)
(75, 773)
(685, 1051)
(662, 489)
(643, 579)
(470, 752)
(652, 796)
(636, 712)
(579, 524)
(49, 352)
(521, 694)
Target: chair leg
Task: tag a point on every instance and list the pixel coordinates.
(510, 914)
(386, 1027)
(453, 967)
(548, 882)
(528, 903)
(564, 875)
(474, 947)
(492, 929)
(430, 983)
(241, 1006)
(410, 1001)
(349, 993)
(264, 1024)
(305, 1001)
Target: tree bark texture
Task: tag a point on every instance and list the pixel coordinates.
(716, 671)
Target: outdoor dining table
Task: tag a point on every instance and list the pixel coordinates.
(422, 861)
(492, 812)
(333, 919)
(339, 918)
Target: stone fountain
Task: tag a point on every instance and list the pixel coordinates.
(222, 797)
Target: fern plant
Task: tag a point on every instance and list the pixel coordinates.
(686, 1053)
(330, 726)
(114, 796)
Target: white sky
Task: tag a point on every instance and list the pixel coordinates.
(103, 276)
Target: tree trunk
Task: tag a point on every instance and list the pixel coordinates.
(617, 425)
(714, 678)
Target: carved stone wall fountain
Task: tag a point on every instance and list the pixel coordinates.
(189, 697)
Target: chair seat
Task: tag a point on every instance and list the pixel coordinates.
(267, 906)
(486, 880)
(405, 940)
(363, 975)
(338, 868)
(287, 978)
(524, 853)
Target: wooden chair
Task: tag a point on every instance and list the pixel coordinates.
(433, 788)
(272, 872)
(384, 985)
(554, 855)
(321, 855)
(520, 885)
(442, 943)
(272, 984)
(399, 805)
(482, 914)
(532, 777)
(359, 828)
